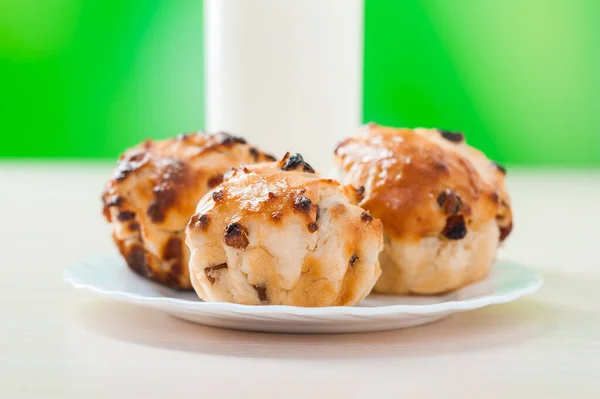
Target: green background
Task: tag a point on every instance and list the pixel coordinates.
(87, 78)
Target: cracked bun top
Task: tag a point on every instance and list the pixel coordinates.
(279, 233)
(424, 182)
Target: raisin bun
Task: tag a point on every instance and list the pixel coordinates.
(155, 190)
(443, 205)
(278, 233)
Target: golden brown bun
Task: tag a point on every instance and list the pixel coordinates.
(278, 233)
(443, 204)
(155, 190)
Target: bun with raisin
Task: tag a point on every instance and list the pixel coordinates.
(278, 233)
(154, 191)
(443, 204)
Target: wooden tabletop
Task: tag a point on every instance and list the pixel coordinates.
(56, 341)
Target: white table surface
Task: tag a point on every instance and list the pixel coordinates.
(56, 341)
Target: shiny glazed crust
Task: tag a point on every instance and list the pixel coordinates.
(435, 196)
(154, 191)
(278, 233)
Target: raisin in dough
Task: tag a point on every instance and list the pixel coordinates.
(444, 205)
(155, 190)
(279, 233)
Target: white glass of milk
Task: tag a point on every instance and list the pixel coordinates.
(285, 74)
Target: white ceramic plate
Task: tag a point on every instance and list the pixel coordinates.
(108, 276)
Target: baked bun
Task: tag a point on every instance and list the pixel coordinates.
(443, 205)
(278, 233)
(155, 190)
